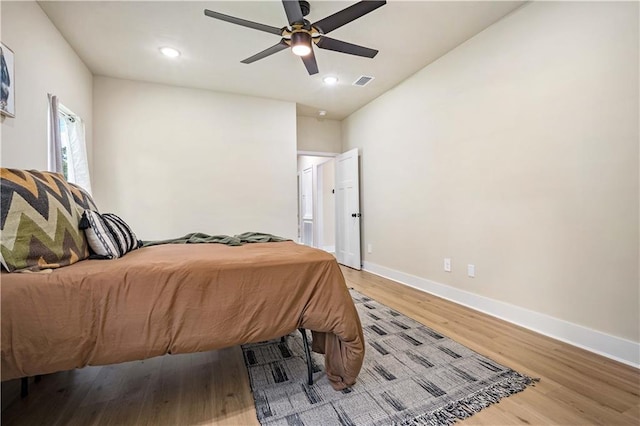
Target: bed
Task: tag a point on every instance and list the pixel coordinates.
(178, 298)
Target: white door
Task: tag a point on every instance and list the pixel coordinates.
(348, 210)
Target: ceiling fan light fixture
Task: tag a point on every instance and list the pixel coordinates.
(301, 43)
(301, 50)
(170, 52)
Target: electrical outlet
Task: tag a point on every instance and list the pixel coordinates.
(369, 248)
(471, 270)
(447, 264)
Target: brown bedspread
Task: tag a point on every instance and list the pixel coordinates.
(178, 299)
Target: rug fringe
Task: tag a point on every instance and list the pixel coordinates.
(513, 382)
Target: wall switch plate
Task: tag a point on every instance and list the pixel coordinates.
(471, 270)
(369, 248)
(447, 264)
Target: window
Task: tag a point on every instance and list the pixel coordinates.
(67, 149)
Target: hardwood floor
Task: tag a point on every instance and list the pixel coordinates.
(576, 387)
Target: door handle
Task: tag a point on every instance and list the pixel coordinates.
(356, 214)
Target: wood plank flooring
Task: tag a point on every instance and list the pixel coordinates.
(576, 387)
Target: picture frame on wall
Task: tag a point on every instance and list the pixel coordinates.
(7, 85)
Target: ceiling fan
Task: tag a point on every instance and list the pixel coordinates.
(300, 34)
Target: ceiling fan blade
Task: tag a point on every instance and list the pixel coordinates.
(344, 47)
(270, 51)
(294, 11)
(243, 22)
(310, 63)
(347, 15)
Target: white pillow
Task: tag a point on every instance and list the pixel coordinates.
(108, 235)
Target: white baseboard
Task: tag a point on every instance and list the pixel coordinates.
(330, 249)
(613, 347)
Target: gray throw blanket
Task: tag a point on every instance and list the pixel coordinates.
(236, 240)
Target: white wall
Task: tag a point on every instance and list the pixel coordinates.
(319, 135)
(171, 160)
(306, 161)
(44, 63)
(516, 152)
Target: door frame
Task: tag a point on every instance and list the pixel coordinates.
(303, 220)
(317, 186)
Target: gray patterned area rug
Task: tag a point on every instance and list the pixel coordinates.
(411, 375)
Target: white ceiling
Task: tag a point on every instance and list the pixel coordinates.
(121, 39)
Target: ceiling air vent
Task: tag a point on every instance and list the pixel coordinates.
(363, 80)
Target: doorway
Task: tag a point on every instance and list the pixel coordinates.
(316, 201)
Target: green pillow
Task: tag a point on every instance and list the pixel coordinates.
(39, 221)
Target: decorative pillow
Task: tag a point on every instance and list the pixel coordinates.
(38, 222)
(83, 199)
(108, 236)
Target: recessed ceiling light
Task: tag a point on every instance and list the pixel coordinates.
(170, 52)
(322, 113)
(330, 80)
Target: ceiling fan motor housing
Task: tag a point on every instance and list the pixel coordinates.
(301, 37)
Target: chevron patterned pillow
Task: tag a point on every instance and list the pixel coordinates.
(83, 199)
(38, 221)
